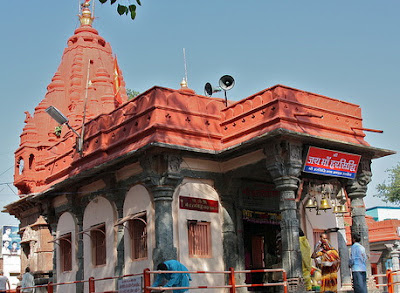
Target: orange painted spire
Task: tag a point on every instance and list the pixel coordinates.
(82, 88)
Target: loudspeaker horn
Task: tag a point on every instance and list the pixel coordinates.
(226, 82)
(209, 89)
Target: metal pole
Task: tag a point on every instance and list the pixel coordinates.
(146, 276)
(91, 285)
(226, 99)
(50, 287)
(232, 281)
(285, 289)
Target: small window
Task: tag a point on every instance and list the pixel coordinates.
(138, 233)
(26, 249)
(98, 236)
(20, 165)
(31, 162)
(101, 42)
(199, 236)
(66, 252)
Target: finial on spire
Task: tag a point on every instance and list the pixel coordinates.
(86, 16)
(184, 83)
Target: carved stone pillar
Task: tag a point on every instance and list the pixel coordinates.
(80, 274)
(119, 268)
(284, 162)
(163, 176)
(51, 219)
(117, 196)
(232, 229)
(357, 190)
(228, 188)
(394, 253)
(165, 248)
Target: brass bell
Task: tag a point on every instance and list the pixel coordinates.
(310, 204)
(336, 209)
(341, 209)
(324, 204)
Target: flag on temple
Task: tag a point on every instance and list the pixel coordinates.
(117, 82)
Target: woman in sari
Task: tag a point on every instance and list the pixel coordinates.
(328, 260)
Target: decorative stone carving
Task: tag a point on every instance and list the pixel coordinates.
(358, 186)
(174, 163)
(284, 159)
(394, 252)
(29, 235)
(161, 171)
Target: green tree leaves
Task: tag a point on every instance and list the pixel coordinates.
(390, 192)
(123, 9)
(132, 9)
(131, 93)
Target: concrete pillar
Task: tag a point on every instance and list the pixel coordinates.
(357, 190)
(284, 163)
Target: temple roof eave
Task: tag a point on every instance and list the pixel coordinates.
(224, 154)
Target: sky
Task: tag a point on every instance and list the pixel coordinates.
(347, 50)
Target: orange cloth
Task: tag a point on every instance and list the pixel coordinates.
(330, 261)
(117, 82)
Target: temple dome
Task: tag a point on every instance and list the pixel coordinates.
(86, 84)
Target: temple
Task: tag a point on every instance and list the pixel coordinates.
(171, 174)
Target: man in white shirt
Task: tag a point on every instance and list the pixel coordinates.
(3, 282)
(27, 281)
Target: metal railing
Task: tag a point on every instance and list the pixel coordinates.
(232, 285)
(391, 283)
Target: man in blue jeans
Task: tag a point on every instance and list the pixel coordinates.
(358, 259)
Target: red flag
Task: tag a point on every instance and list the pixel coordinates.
(117, 82)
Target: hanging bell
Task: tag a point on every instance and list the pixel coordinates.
(336, 209)
(341, 209)
(310, 204)
(324, 205)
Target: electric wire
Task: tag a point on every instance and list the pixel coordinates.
(6, 170)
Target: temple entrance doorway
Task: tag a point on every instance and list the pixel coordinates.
(261, 252)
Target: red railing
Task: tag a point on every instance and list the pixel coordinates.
(231, 283)
(391, 283)
(147, 281)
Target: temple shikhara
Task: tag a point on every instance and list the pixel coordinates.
(171, 174)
